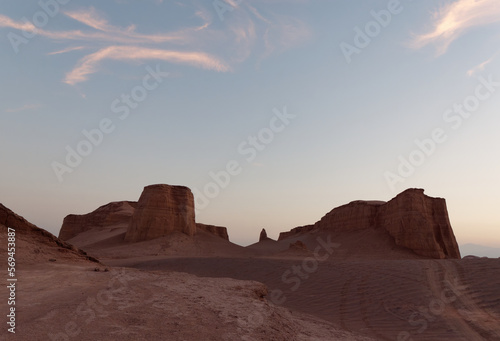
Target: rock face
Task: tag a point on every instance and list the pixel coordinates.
(263, 235)
(219, 231)
(108, 215)
(35, 244)
(162, 209)
(420, 223)
(415, 221)
(357, 215)
(296, 231)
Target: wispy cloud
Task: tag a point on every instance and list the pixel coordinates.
(479, 68)
(454, 19)
(8, 22)
(24, 108)
(66, 50)
(116, 35)
(233, 3)
(92, 18)
(207, 45)
(89, 64)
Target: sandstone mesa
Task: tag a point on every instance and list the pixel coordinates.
(415, 221)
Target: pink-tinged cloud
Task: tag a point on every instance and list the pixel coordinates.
(90, 17)
(128, 36)
(233, 3)
(89, 64)
(479, 68)
(454, 19)
(106, 32)
(24, 108)
(23, 26)
(66, 50)
(245, 33)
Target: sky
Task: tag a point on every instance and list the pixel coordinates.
(273, 112)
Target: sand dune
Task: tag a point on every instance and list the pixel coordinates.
(68, 302)
(424, 299)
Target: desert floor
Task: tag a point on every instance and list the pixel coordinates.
(342, 287)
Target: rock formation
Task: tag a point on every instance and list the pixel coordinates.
(296, 231)
(105, 216)
(162, 209)
(357, 215)
(298, 245)
(420, 223)
(219, 231)
(263, 235)
(415, 221)
(36, 244)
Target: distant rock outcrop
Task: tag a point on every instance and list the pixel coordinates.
(357, 215)
(162, 209)
(298, 245)
(415, 221)
(219, 231)
(296, 231)
(263, 235)
(111, 214)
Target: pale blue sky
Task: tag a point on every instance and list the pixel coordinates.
(226, 80)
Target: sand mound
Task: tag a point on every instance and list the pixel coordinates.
(385, 299)
(126, 304)
(108, 245)
(35, 245)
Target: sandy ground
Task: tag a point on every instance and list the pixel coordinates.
(62, 302)
(61, 295)
(68, 302)
(387, 300)
(361, 282)
(356, 286)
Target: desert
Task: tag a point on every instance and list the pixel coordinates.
(367, 270)
(254, 170)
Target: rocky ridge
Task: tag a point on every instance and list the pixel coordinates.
(220, 231)
(415, 221)
(108, 215)
(34, 244)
